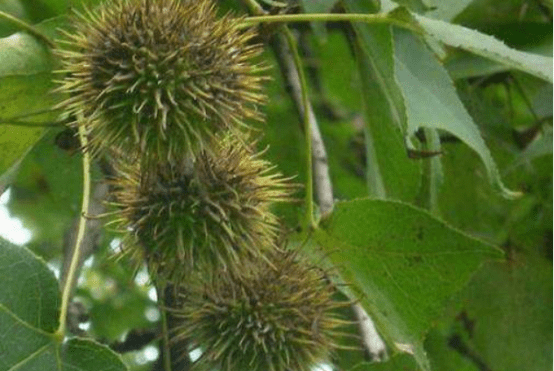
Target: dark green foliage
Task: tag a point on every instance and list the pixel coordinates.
(194, 197)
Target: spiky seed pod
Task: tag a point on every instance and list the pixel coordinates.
(276, 315)
(215, 210)
(160, 76)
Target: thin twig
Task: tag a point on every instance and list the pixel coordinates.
(308, 121)
(86, 247)
(67, 288)
(324, 190)
(50, 124)
(374, 345)
(323, 187)
(331, 17)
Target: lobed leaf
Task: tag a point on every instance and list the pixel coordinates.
(391, 174)
(25, 95)
(488, 47)
(432, 101)
(29, 305)
(511, 309)
(405, 263)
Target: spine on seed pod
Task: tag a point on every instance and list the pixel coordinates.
(278, 314)
(159, 78)
(215, 210)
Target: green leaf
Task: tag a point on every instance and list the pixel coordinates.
(376, 44)
(462, 64)
(39, 10)
(23, 54)
(432, 101)
(391, 174)
(20, 95)
(25, 93)
(543, 101)
(29, 290)
(15, 9)
(9, 176)
(510, 306)
(417, 6)
(88, 355)
(318, 6)
(438, 345)
(488, 47)
(540, 146)
(466, 65)
(29, 305)
(46, 194)
(405, 263)
(447, 9)
(398, 362)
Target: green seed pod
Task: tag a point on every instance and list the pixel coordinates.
(277, 314)
(159, 77)
(215, 210)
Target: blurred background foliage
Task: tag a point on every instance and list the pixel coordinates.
(501, 321)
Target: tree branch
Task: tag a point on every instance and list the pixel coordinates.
(373, 343)
(324, 190)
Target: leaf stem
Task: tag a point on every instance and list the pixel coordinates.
(31, 124)
(27, 27)
(307, 128)
(330, 17)
(60, 333)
